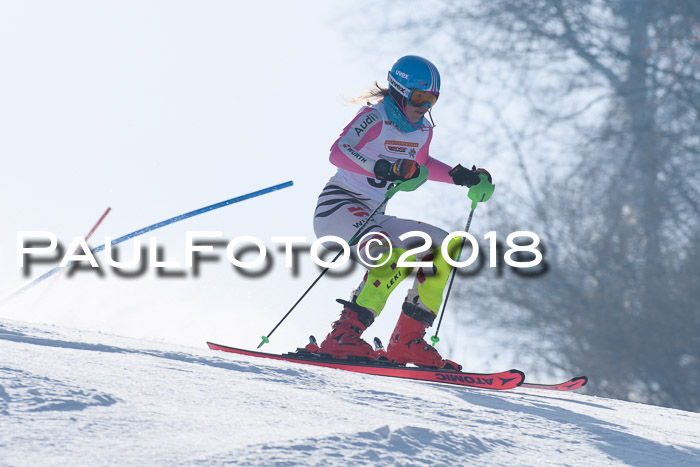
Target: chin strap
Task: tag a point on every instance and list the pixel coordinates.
(430, 116)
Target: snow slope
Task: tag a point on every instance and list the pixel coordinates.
(71, 397)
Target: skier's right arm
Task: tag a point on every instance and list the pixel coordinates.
(345, 152)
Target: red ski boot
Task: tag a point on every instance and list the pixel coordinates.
(407, 344)
(344, 340)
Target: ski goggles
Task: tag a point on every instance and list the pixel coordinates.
(418, 98)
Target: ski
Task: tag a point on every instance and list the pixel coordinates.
(504, 380)
(573, 384)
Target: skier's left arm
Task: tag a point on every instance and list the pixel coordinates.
(441, 172)
(438, 170)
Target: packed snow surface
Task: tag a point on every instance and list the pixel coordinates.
(71, 397)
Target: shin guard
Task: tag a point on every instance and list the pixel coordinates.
(382, 280)
(430, 288)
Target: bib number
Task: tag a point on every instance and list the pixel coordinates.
(377, 183)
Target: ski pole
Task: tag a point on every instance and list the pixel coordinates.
(48, 288)
(172, 220)
(266, 339)
(92, 231)
(75, 252)
(481, 193)
(408, 185)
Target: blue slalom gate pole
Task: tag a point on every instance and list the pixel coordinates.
(150, 228)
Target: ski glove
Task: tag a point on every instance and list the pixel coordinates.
(465, 177)
(402, 169)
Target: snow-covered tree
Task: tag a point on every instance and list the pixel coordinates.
(594, 104)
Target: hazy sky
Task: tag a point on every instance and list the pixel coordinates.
(158, 108)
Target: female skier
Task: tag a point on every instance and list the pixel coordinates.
(388, 141)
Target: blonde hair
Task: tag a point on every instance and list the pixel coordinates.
(371, 96)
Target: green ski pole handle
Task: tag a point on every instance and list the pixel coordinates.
(482, 191)
(408, 185)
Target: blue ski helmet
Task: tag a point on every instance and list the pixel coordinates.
(412, 72)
